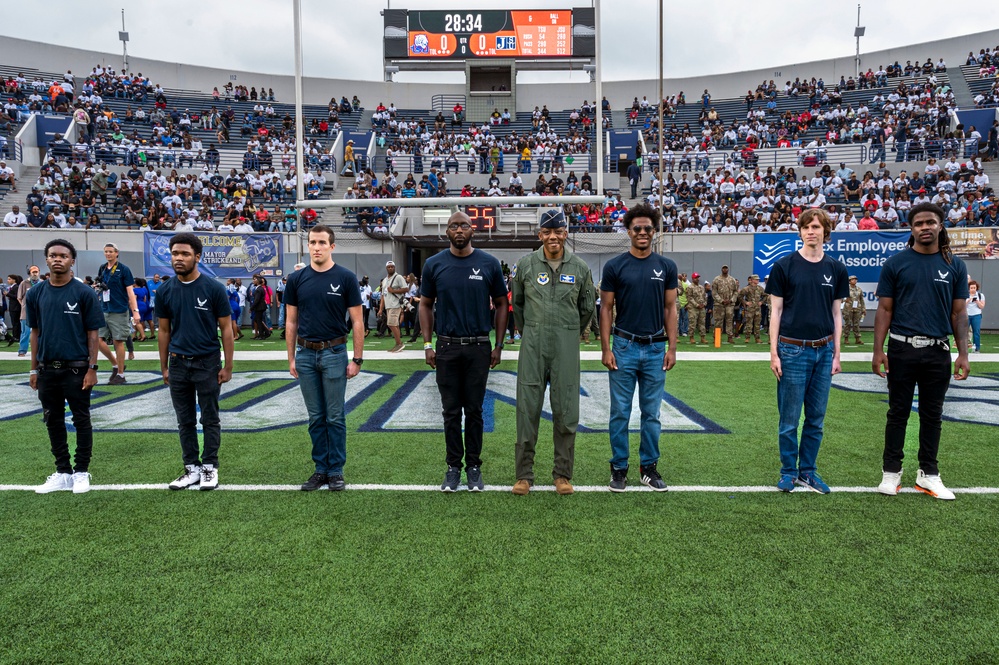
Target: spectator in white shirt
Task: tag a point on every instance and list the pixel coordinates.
(15, 218)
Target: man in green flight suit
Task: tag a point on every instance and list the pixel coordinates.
(553, 301)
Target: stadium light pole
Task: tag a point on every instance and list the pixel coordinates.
(858, 33)
(299, 129)
(123, 36)
(599, 92)
(659, 201)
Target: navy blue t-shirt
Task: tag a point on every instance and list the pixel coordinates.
(463, 287)
(923, 288)
(63, 315)
(117, 280)
(322, 299)
(194, 309)
(639, 287)
(808, 290)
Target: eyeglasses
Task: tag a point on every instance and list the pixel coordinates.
(464, 226)
(643, 229)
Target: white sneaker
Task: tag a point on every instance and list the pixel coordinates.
(891, 483)
(933, 486)
(57, 482)
(209, 477)
(81, 482)
(191, 476)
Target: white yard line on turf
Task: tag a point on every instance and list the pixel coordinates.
(737, 489)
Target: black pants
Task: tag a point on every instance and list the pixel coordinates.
(190, 379)
(367, 315)
(462, 372)
(929, 368)
(56, 387)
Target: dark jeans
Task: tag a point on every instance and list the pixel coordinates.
(928, 368)
(56, 387)
(462, 372)
(190, 379)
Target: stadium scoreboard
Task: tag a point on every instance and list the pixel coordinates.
(460, 35)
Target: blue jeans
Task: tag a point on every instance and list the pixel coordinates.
(684, 322)
(25, 340)
(807, 376)
(322, 376)
(641, 364)
(976, 330)
(281, 316)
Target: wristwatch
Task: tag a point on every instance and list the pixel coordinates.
(357, 361)
(94, 367)
(499, 345)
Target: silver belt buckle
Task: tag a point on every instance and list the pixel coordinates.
(923, 342)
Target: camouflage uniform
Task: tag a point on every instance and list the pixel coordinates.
(854, 309)
(725, 289)
(751, 298)
(697, 302)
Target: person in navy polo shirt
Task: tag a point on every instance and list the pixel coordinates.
(922, 300)
(318, 298)
(191, 309)
(641, 285)
(462, 281)
(64, 316)
(806, 289)
(116, 286)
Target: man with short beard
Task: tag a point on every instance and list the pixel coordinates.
(462, 281)
(191, 309)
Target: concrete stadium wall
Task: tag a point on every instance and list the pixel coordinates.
(705, 254)
(54, 58)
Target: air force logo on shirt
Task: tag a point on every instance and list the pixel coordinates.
(543, 278)
(657, 274)
(335, 291)
(71, 309)
(828, 281)
(201, 304)
(475, 274)
(943, 277)
(567, 279)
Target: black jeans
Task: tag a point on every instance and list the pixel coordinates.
(929, 368)
(462, 372)
(197, 378)
(56, 388)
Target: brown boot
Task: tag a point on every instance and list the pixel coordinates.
(521, 487)
(747, 340)
(730, 340)
(859, 342)
(758, 341)
(563, 486)
(691, 339)
(703, 341)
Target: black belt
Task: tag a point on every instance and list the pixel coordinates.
(183, 357)
(814, 343)
(319, 346)
(641, 339)
(464, 340)
(64, 364)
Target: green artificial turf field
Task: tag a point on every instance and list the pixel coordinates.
(413, 576)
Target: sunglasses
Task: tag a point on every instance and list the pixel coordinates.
(643, 229)
(464, 226)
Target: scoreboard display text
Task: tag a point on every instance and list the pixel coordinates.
(490, 34)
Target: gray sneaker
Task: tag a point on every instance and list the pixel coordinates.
(451, 479)
(619, 480)
(474, 476)
(117, 380)
(651, 477)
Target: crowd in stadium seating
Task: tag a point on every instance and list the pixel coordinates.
(987, 62)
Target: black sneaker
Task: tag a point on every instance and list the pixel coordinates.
(337, 483)
(314, 482)
(451, 479)
(619, 480)
(651, 477)
(474, 476)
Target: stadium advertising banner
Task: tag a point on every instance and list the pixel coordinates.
(975, 243)
(225, 254)
(862, 252)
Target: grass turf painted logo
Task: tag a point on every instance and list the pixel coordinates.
(258, 401)
(974, 400)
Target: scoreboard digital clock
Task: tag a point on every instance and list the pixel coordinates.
(458, 35)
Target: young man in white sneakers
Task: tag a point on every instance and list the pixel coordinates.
(192, 309)
(64, 315)
(922, 300)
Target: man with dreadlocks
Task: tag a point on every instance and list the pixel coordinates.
(922, 294)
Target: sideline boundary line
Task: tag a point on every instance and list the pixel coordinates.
(718, 489)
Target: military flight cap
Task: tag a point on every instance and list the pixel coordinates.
(552, 219)
(754, 276)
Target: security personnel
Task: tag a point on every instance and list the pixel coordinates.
(553, 300)
(697, 302)
(854, 309)
(726, 289)
(64, 315)
(752, 297)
